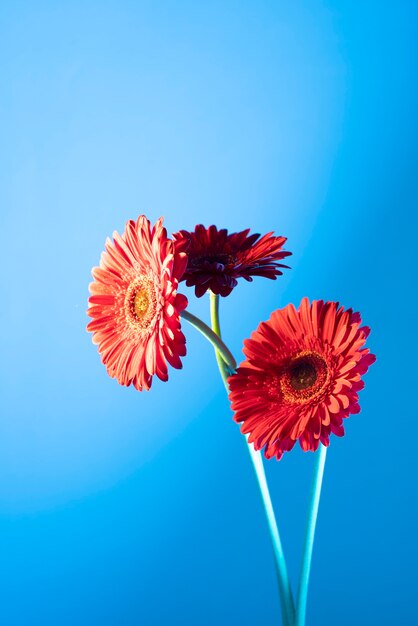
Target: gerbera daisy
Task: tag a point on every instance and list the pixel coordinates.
(216, 259)
(301, 376)
(135, 305)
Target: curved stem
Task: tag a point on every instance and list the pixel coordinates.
(287, 603)
(214, 339)
(310, 534)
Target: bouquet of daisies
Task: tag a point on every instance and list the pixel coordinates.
(303, 367)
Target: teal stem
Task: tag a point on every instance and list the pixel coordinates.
(211, 336)
(286, 597)
(320, 457)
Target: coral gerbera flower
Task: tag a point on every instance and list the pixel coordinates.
(217, 259)
(301, 376)
(135, 305)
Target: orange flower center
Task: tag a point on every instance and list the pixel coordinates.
(304, 378)
(141, 303)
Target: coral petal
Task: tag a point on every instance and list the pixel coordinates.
(300, 378)
(135, 305)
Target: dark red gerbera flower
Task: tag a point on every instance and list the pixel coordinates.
(216, 260)
(301, 377)
(135, 305)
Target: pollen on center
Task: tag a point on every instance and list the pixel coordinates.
(141, 303)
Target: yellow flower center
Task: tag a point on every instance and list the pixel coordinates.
(141, 303)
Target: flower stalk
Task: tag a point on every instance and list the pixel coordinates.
(286, 597)
(212, 337)
(320, 457)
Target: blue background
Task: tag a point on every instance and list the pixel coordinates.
(121, 508)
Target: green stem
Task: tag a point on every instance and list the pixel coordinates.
(320, 457)
(287, 603)
(214, 318)
(211, 336)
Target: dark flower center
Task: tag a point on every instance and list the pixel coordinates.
(305, 377)
(302, 375)
(222, 259)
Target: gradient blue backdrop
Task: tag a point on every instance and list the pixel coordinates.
(120, 508)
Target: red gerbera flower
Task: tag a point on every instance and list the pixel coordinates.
(135, 305)
(216, 259)
(301, 377)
